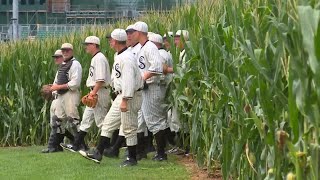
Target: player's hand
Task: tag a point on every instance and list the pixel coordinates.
(124, 105)
(55, 87)
(165, 69)
(91, 95)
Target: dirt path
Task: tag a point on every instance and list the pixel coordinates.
(198, 173)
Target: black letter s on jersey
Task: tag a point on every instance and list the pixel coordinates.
(141, 62)
(117, 69)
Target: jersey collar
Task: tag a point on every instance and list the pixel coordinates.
(122, 50)
(135, 44)
(96, 54)
(144, 43)
(67, 60)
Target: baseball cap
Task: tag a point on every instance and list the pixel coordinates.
(130, 28)
(169, 34)
(119, 35)
(157, 38)
(150, 34)
(58, 53)
(140, 26)
(183, 33)
(66, 46)
(92, 40)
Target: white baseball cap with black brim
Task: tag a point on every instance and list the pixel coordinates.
(183, 33)
(66, 46)
(141, 27)
(168, 34)
(130, 28)
(58, 53)
(92, 40)
(157, 38)
(119, 35)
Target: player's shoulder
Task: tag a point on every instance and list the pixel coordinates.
(128, 54)
(99, 56)
(75, 61)
(149, 46)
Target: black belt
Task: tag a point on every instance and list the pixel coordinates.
(119, 92)
(91, 88)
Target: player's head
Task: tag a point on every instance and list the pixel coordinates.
(140, 31)
(130, 40)
(92, 44)
(58, 57)
(181, 37)
(166, 41)
(67, 50)
(156, 39)
(118, 39)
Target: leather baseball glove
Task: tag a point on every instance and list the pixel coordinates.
(46, 92)
(89, 100)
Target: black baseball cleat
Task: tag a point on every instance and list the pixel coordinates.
(69, 147)
(93, 155)
(160, 157)
(111, 153)
(129, 162)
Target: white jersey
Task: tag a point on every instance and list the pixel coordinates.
(126, 77)
(149, 59)
(135, 49)
(99, 71)
(167, 59)
(182, 58)
(74, 75)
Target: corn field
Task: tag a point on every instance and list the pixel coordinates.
(250, 94)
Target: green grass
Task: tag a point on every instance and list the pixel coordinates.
(29, 163)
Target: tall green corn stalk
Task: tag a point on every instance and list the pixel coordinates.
(249, 94)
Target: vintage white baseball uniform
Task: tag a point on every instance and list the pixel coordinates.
(66, 105)
(99, 72)
(149, 59)
(127, 82)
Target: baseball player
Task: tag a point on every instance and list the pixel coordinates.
(99, 82)
(178, 41)
(180, 38)
(66, 84)
(151, 66)
(134, 47)
(164, 79)
(145, 138)
(53, 144)
(127, 83)
(166, 41)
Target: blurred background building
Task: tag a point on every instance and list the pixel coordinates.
(42, 18)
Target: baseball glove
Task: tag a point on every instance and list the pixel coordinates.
(90, 102)
(46, 92)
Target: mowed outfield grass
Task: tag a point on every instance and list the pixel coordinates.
(29, 163)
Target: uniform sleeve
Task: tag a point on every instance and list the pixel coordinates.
(75, 75)
(100, 70)
(164, 56)
(155, 60)
(128, 79)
